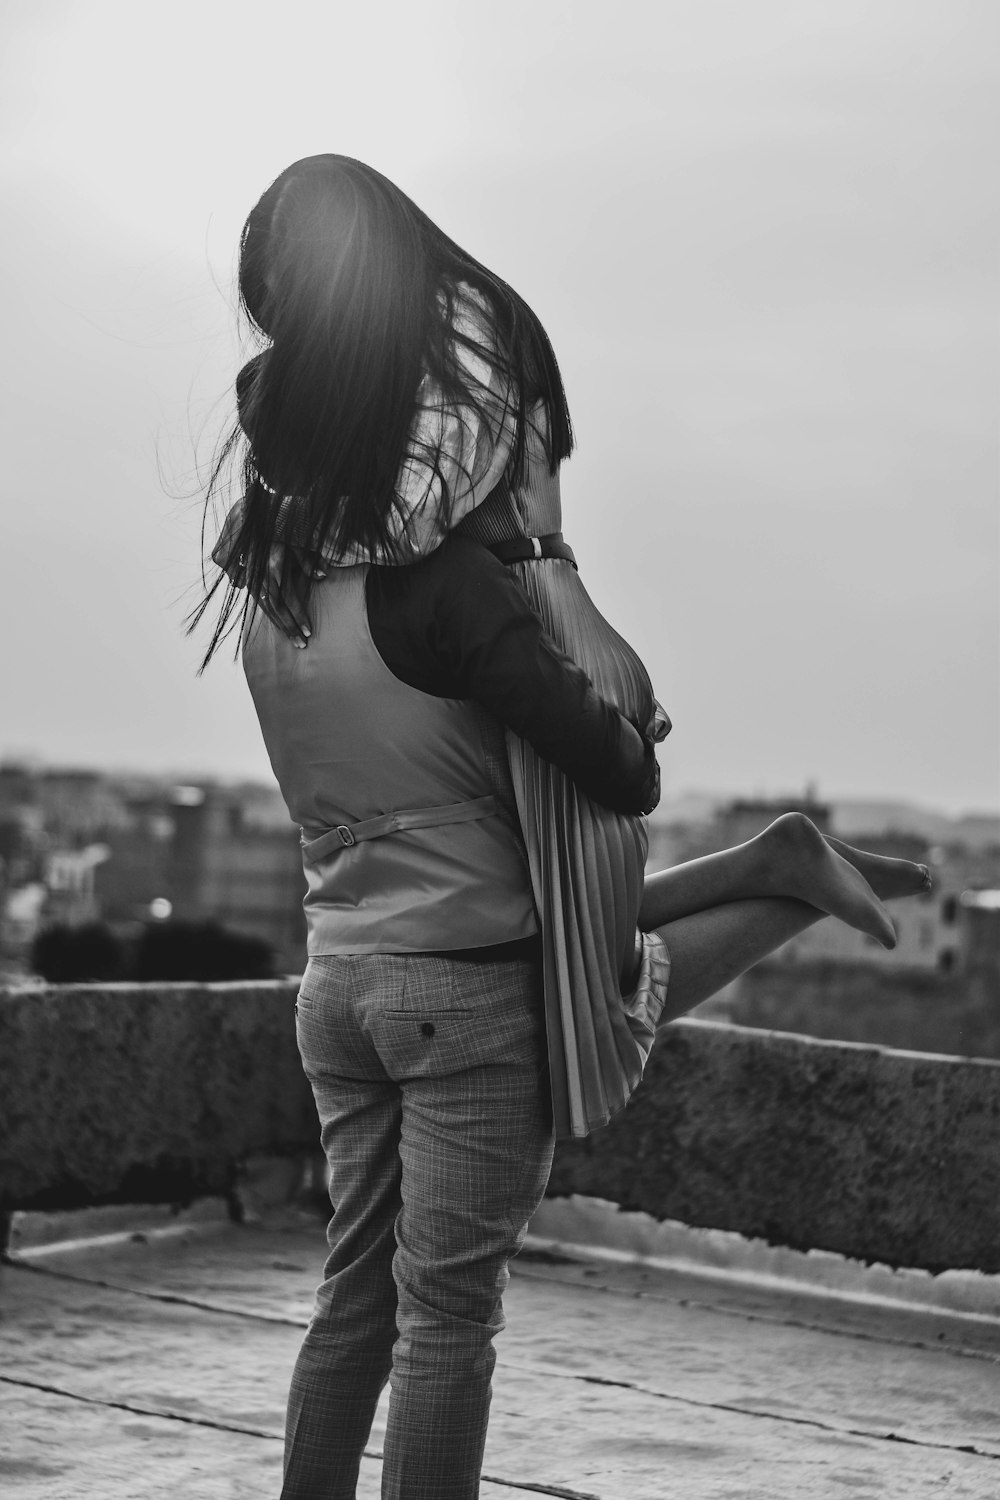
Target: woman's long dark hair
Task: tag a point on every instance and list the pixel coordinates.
(356, 291)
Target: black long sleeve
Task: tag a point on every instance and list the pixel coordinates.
(456, 625)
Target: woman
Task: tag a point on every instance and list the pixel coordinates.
(408, 408)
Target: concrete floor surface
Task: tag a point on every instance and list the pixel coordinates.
(157, 1366)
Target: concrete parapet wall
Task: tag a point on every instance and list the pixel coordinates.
(957, 1014)
(148, 1093)
(156, 1093)
(880, 1155)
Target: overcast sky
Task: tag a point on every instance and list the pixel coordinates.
(763, 238)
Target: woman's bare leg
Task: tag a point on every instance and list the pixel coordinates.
(712, 947)
(790, 859)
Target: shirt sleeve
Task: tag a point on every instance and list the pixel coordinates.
(457, 625)
(461, 447)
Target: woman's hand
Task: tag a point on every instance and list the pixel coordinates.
(290, 571)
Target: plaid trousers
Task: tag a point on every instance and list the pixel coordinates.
(430, 1079)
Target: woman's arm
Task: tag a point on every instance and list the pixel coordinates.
(456, 625)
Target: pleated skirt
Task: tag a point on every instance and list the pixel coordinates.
(587, 867)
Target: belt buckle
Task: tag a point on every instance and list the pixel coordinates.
(346, 836)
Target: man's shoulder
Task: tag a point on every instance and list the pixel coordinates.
(460, 568)
(459, 557)
(459, 545)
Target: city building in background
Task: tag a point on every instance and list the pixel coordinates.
(938, 990)
(963, 856)
(79, 847)
(85, 846)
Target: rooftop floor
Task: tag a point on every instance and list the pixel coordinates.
(157, 1365)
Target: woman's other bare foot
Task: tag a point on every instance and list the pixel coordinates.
(801, 863)
(887, 877)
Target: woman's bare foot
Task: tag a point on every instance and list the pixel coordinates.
(887, 877)
(801, 863)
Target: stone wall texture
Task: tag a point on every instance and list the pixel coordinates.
(880, 1155)
(157, 1093)
(145, 1093)
(957, 1014)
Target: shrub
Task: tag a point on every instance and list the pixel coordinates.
(63, 954)
(202, 951)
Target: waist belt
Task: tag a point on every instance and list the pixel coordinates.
(346, 834)
(531, 548)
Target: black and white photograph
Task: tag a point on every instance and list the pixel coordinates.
(500, 750)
